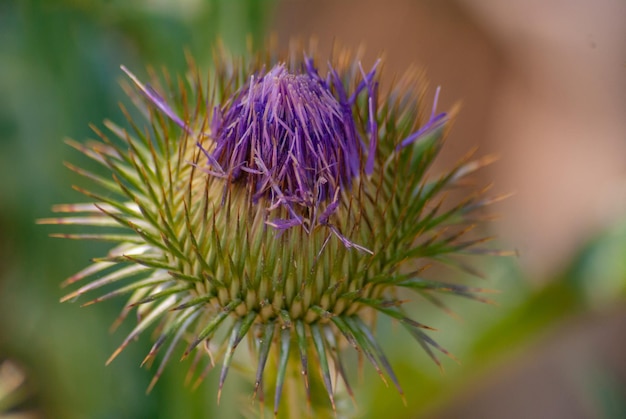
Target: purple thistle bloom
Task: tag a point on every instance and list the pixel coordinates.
(290, 138)
(293, 137)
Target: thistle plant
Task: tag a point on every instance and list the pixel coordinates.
(278, 203)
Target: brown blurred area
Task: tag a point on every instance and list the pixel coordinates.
(543, 85)
(562, 378)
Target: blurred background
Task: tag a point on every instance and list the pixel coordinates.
(541, 83)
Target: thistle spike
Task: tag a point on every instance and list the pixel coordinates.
(266, 344)
(285, 340)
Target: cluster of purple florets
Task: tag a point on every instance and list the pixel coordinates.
(293, 137)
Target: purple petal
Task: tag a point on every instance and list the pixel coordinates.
(157, 100)
(434, 123)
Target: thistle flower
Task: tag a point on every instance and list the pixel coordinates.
(280, 203)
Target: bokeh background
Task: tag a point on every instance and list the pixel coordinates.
(542, 83)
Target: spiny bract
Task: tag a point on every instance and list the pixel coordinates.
(277, 202)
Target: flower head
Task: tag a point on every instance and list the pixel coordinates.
(277, 203)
